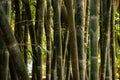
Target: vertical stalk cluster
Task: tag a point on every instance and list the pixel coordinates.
(94, 24)
(80, 26)
(69, 49)
(104, 35)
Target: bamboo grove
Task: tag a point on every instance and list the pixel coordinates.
(64, 39)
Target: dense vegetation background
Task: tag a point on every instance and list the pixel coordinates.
(59, 40)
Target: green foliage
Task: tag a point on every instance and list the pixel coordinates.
(117, 24)
(33, 8)
(117, 31)
(118, 66)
